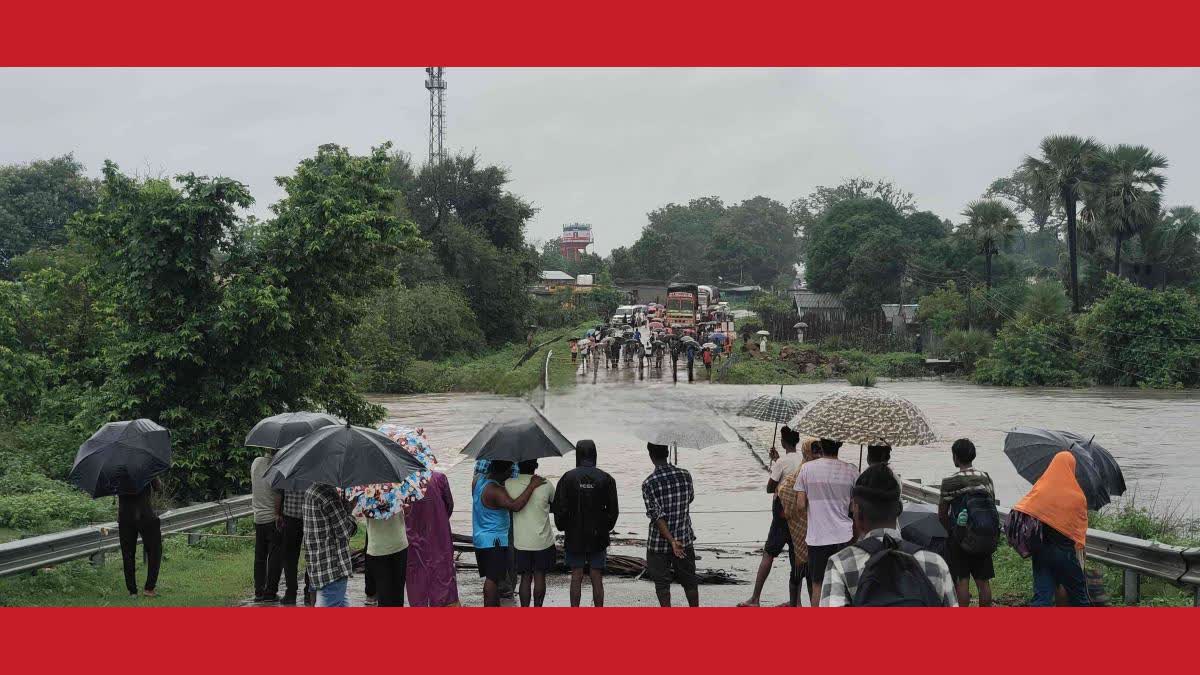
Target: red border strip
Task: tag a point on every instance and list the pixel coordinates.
(613, 33)
(586, 641)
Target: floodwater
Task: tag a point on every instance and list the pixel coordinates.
(1151, 433)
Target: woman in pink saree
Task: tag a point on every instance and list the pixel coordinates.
(430, 580)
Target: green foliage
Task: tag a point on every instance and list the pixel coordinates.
(1136, 336)
(1046, 301)
(36, 201)
(776, 313)
(943, 310)
(215, 330)
(898, 364)
(966, 346)
(32, 502)
(860, 247)
(23, 375)
(1030, 353)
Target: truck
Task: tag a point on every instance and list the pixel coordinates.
(707, 297)
(682, 302)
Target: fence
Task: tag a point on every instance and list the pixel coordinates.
(1137, 557)
(24, 555)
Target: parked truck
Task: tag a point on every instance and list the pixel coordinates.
(682, 303)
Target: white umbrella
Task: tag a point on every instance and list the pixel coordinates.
(709, 345)
(764, 333)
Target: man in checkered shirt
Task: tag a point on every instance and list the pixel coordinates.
(875, 507)
(668, 495)
(328, 526)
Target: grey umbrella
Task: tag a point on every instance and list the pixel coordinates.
(278, 431)
(919, 524)
(1030, 450)
(677, 433)
(121, 458)
(772, 408)
(517, 437)
(342, 456)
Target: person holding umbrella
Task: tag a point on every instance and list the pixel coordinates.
(125, 459)
(1050, 524)
(491, 519)
(136, 516)
(268, 534)
(779, 535)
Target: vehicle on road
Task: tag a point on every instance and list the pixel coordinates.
(682, 300)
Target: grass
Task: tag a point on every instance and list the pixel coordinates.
(1132, 516)
(861, 378)
(834, 363)
(213, 573)
(217, 572)
(494, 371)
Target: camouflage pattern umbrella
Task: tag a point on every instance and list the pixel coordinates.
(865, 415)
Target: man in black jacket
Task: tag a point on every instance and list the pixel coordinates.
(585, 509)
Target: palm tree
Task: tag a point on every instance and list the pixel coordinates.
(1066, 162)
(992, 225)
(1125, 196)
(1172, 245)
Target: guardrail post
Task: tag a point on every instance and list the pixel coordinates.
(231, 526)
(193, 538)
(97, 559)
(1195, 596)
(1133, 587)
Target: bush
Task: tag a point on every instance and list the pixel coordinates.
(1136, 336)
(1028, 352)
(47, 449)
(32, 502)
(966, 347)
(943, 310)
(861, 378)
(899, 364)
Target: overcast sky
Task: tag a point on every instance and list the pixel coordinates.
(607, 146)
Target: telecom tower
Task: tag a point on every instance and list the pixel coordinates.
(437, 112)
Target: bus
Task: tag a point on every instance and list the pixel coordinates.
(682, 300)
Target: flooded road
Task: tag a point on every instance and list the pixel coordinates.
(1150, 433)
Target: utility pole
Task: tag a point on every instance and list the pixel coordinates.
(436, 84)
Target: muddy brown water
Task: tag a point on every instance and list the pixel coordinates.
(1151, 433)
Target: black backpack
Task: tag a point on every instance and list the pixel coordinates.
(981, 534)
(893, 576)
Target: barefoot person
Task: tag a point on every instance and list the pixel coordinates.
(585, 509)
(778, 536)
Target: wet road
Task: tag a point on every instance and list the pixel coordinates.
(1150, 434)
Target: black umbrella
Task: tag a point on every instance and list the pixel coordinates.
(342, 456)
(122, 458)
(277, 431)
(919, 524)
(1030, 450)
(518, 436)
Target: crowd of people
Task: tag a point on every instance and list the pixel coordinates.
(839, 526)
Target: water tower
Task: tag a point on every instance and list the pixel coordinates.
(576, 237)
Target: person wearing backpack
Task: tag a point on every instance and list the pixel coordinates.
(967, 510)
(881, 569)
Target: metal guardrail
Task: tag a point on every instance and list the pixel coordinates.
(24, 555)
(1138, 557)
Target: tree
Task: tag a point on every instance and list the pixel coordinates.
(809, 209)
(943, 310)
(1171, 246)
(861, 248)
(36, 201)
(215, 330)
(1067, 163)
(754, 241)
(1030, 191)
(1125, 195)
(992, 225)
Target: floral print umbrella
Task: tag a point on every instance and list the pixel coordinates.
(865, 415)
(384, 500)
